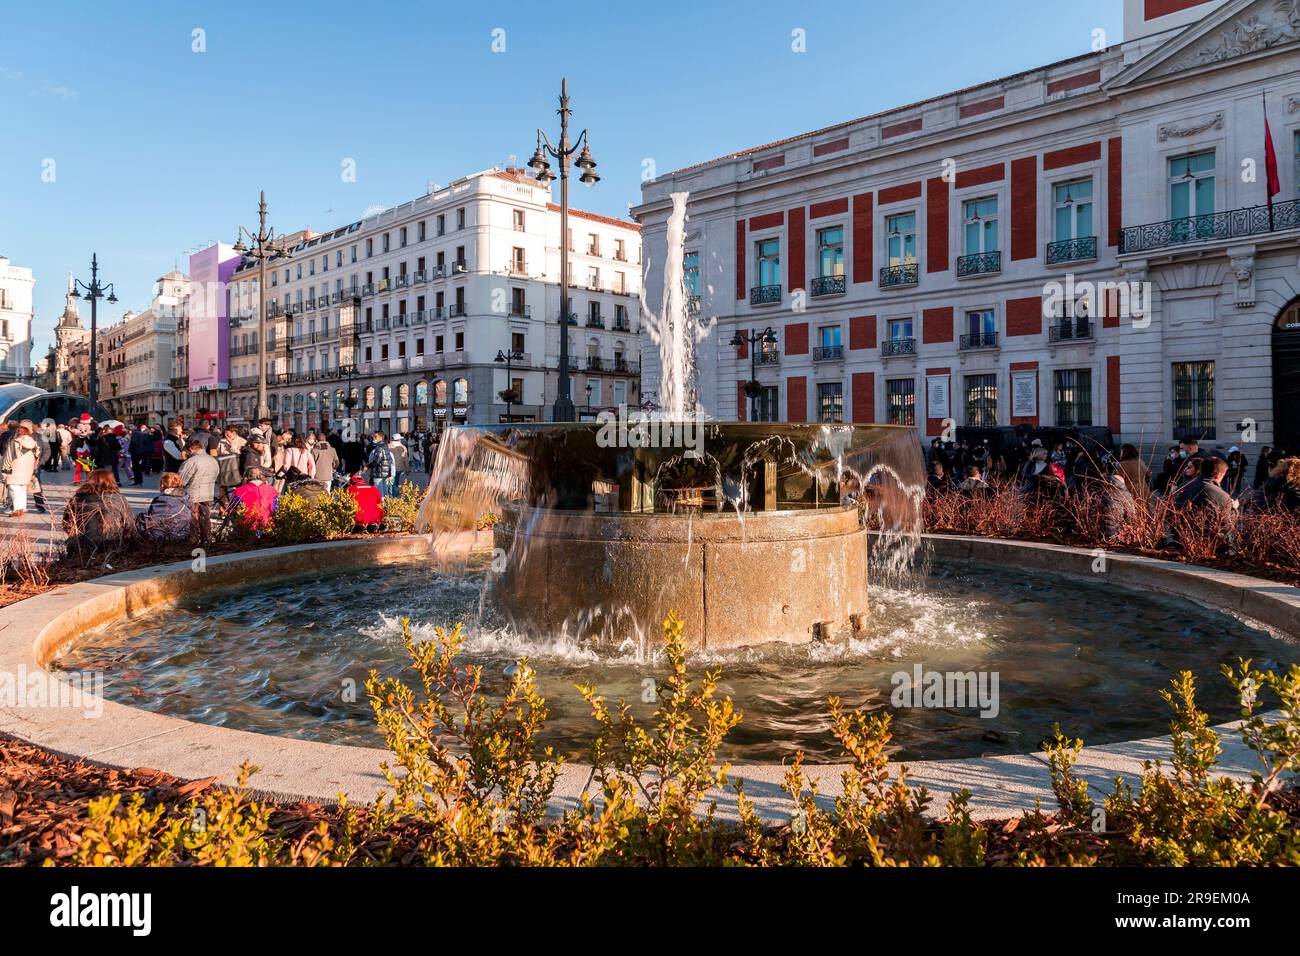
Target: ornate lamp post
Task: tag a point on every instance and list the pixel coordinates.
(508, 358)
(563, 410)
(588, 398)
(262, 246)
(766, 337)
(94, 292)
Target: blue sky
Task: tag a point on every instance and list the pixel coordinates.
(157, 148)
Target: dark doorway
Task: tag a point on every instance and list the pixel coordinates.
(1286, 379)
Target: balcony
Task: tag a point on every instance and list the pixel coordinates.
(768, 357)
(828, 353)
(517, 267)
(900, 277)
(827, 285)
(459, 266)
(401, 282)
(1072, 250)
(1235, 224)
(623, 367)
(422, 276)
(979, 264)
(596, 321)
(1067, 331)
(621, 325)
(521, 311)
(765, 295)
(595, 363)
(979, 340)
(898, 346)
(368, 289)
(456, 309)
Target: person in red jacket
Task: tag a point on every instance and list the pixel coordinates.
(370, 504)
(254, 501)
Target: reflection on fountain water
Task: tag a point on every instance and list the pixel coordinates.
(268, 660)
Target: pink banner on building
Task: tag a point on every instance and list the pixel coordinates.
(209, 335)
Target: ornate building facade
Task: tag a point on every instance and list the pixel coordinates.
(1087, 243)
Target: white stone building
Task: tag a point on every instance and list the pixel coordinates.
(16, 286)
(906, 261)
(137, 356)
(410, 307)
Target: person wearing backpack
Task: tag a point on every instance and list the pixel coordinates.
(381, 465)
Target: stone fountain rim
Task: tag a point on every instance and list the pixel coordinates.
(33, 631)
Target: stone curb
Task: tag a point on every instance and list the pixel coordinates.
(35, 631)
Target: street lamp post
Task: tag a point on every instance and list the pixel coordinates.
(94, 292)
(508, 358)
(263, 245)
(766, 337)
(563, 410)
(588, 399)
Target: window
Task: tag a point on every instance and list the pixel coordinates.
(900, 329)
(981, 330)
(517, 260)
(517, 302)
(766, 409)
(460, 218)
(460, 391)
(830, 401)
(594, 395)
(1073, 210)
(620, 250)
(830, 252)
(517, 342)
(593, 244)
(768, 253)
(981, 401)
(442, 225)
(900, 401)
(691, 273)
(900, 244)
(593, 278)
(422, 231)
(386, 242)
(830, 336)
(402, 236)
(981, 216)
(460, 341)
(517, 216)
(1074, 397)
(1194, 400)
(1191, 185)
(437, 344)
(370, 248)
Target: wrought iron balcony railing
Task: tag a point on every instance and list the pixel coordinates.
(898, 347)
(894, 277)
(768, 357)
(979, 264)
(1067, 331)
(596, 321)
(828, 353)
(594, 363)
(1072, 250)
(827, 285)
(979, 340)
(765, 295)
(1251, 221)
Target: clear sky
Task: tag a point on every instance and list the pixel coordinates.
(154, 148)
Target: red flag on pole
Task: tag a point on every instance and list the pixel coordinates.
(1270, 164)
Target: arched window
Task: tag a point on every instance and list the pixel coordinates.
(440, 392)
(299, 402)
(386, 397)
(422, 393)
(460, 391)
(403, 396)
(311, 401)
(272, 402)
(355, 396)
(369, 401)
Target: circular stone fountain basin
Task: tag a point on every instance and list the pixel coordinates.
(289, 659)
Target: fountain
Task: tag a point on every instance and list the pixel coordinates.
(752, 532)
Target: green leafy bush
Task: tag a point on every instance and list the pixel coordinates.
(401, 509)
(302, 520)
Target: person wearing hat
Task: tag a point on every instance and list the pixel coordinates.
(1235, 482)
(253, 452)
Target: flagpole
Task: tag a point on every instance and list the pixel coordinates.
(1268, 140)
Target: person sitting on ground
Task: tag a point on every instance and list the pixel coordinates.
(170, 514)
(1282, 488)
(938, 479)
(1204, 489)
(97, 518)
(370, 504)
(974, 484)
(254, 501)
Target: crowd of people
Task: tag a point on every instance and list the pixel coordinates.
(1189, 477)
(233, 474)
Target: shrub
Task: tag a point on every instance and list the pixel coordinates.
(302, 520)
(402, 509)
